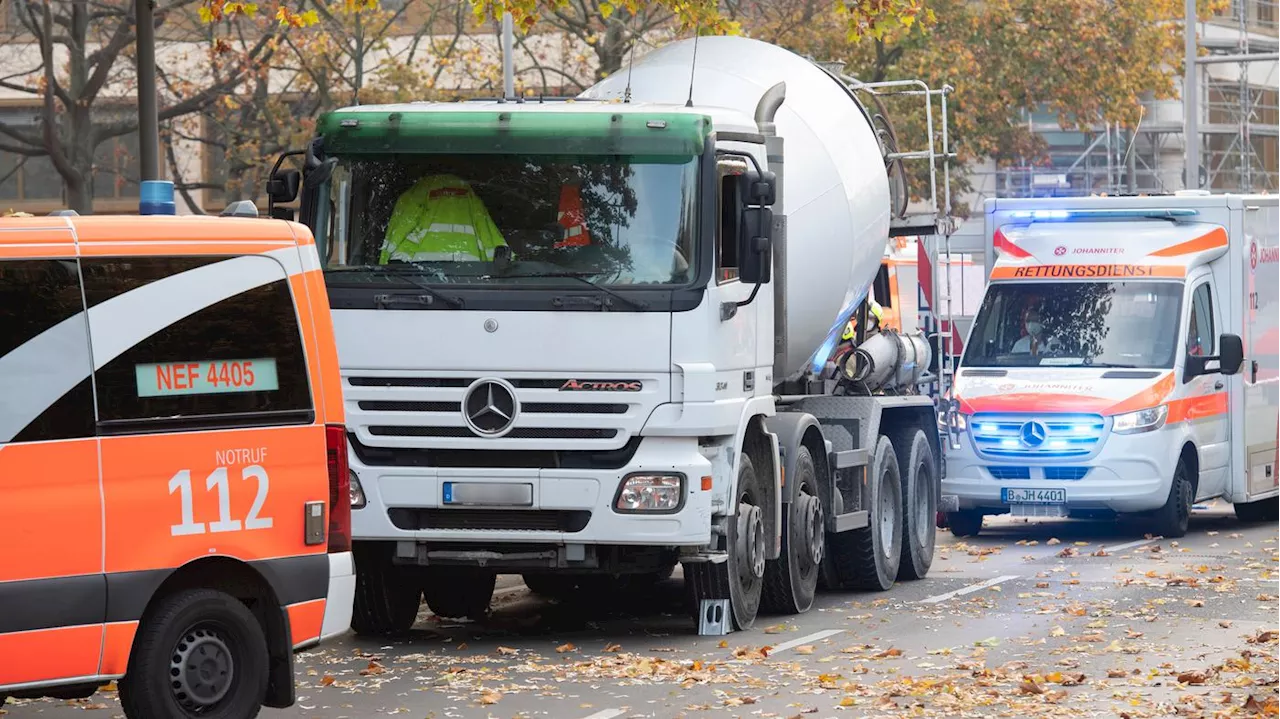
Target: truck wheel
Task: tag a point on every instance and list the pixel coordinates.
(868, 558)
(387, 597)
(740, 578)
(791, 580)
(201, 653)
(459, 592)
(1172, 520)
(1263, 510)
(965, 523)
(920, 504)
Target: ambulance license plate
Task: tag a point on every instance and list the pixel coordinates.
(502, 494)
(1018, 495)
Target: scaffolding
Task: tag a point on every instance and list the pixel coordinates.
(1237, 129)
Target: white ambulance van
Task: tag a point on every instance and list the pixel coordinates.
(1123, 360)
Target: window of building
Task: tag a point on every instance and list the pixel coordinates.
(236, 361)
(32, 182)
(45, 391)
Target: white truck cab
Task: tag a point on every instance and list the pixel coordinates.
(1124, 360)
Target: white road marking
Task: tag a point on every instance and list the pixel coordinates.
(967, 590)
(606, 714)
(1131, 545)
(816, 636)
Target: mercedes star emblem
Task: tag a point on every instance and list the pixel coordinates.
(1033, 434)
(490, 407)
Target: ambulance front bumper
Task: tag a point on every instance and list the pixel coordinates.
(1129, 474)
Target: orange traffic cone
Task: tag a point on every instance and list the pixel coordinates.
(572, 218)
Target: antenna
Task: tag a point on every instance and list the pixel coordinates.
(693, 65)
(631, 60)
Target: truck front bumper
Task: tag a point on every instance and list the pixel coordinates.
(564, 506)
(1131, 473)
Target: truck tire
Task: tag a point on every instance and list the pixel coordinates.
(186, 635)
(387, 597)
(965, 523)
(551, 586)
(868, 558)
(459, 592)
(1171, 520)
(740, 578)
(791, 580)
(920, 503)
(1263, 510)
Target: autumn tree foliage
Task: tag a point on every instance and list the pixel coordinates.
(1090, 61)
(84, 67)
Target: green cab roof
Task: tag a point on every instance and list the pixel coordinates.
(587, 132)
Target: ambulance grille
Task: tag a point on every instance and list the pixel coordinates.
(1042, 437)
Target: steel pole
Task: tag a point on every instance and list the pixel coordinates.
(508, 62)
(1191, 100)
(148, 115)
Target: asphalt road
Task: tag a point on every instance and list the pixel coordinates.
(1031, 619)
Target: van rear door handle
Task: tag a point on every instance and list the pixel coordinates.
(1218, 385)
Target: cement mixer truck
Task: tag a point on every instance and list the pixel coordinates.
(589, 340)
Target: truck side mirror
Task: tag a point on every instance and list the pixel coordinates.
(283, 185)
(1230, 354)
(759, 189)
(755, 245)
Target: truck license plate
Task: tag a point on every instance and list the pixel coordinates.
(1018, 495)
(504, 494)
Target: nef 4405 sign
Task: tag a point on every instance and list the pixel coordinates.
(206, 377)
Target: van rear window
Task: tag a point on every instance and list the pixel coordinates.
(195, 342)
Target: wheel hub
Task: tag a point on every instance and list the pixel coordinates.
(815, 534)
(887, 510)
(201, 669)
(751, 539)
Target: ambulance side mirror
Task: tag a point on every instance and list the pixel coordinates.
(1227, 362)
(1230, 354)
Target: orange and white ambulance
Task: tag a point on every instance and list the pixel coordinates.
(176, 507)
(1124, 360)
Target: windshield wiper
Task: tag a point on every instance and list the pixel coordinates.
(407, 276)
(637, 304)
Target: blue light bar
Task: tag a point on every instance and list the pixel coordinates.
(1050, 215)
(155, 197)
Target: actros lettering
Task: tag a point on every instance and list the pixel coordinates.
(575, 385)
(218, 480)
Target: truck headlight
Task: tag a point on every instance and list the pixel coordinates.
(357, 491)
(650, 493)
(1144, 420)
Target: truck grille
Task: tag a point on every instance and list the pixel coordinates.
(520, 520)
(556, 414)
(1047, 437)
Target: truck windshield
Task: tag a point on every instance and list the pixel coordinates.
(445, 219)
(1076, 324)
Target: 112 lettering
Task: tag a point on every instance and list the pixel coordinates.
(218, 479)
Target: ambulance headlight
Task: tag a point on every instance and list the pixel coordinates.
(1144, 420)
(357, 491)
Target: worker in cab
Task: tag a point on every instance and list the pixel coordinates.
(1033, 341)
(440, 219)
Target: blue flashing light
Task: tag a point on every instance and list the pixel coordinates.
(1113, 214)
(155, 197)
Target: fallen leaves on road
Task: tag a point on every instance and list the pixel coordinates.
(566, 647)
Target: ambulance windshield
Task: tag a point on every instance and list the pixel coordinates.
(523, 219)
(1076, 324)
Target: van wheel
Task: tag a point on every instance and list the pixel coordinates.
(920, 503)
(965, 523)
(387, 597)
(1263, 510)
(200, 654)
(459, 592)
(1171, 520)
